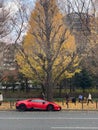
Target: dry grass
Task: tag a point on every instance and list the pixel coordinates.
(72, 106)
(79, 106)
(7, 106)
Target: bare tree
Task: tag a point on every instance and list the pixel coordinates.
(20, 21)
(85, 29)
(13, 24)
(79, 16)
(6, 25)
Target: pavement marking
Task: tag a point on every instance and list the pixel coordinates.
(75, 128)
(44, 118)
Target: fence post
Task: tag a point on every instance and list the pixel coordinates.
(63, 102)
(11, 104)
(67, 103)
(82, 105)
(96, 104)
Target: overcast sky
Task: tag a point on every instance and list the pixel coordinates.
(27, 3)
(30, 4)
(12, 5)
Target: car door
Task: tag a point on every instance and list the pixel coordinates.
(38, 104)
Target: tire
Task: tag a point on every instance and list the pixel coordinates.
(22, 107)
(50, 108)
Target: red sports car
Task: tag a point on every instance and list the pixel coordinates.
(37, 103)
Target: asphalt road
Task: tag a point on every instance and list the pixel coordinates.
(39, 120)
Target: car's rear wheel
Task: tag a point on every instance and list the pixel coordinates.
(50, 107)
(22, 107)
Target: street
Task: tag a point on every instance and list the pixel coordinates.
(40, 120)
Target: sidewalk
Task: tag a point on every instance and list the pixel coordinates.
(72, 106)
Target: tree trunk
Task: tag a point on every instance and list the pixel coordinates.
(26, 85)
(49, 83)
(49, 91)
(60, 91)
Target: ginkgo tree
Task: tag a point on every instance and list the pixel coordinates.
(48, 53)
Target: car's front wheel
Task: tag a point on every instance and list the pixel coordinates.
(50, 108)
(22, 107)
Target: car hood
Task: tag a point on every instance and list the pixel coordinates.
(19, 101)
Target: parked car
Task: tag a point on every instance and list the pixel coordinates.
(37, 103)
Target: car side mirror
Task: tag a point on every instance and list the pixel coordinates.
(43, 102)
(29, 100)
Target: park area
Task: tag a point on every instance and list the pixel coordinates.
(49, 50)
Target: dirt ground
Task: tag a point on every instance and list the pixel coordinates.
(7, 106)
(71, 106)
(79, 106)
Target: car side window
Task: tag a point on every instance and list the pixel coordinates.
(38, 100)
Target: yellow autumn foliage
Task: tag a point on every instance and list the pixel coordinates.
(36, 47)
